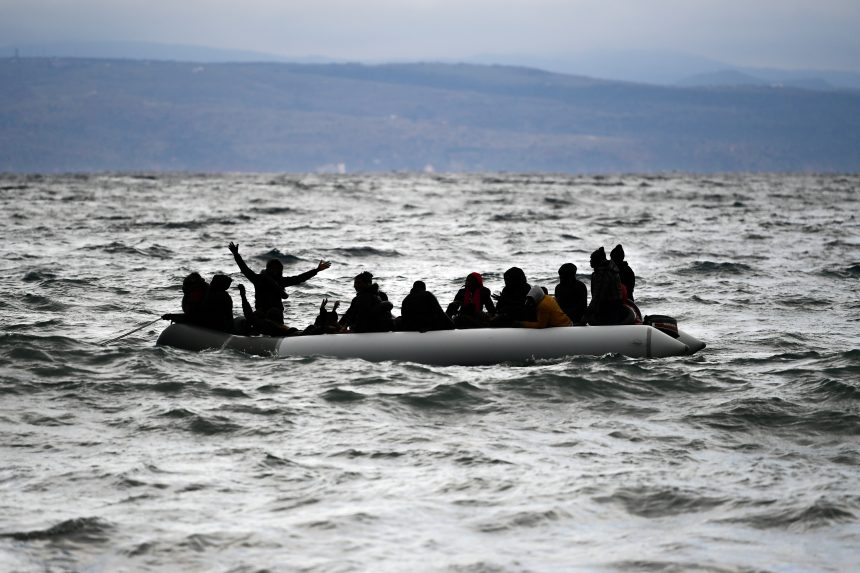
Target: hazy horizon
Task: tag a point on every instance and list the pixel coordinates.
(780, 34)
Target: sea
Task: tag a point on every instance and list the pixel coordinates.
(122, 456)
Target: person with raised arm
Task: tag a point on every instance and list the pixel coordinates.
(270, 284)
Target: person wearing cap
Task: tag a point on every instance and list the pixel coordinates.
(606, 305)
(571, 293)
(628, 277)
(270, 284)
(548, 313)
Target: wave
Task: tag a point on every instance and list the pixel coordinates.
(713, 268)
(775, 413)
(821, 513)
(119, 248)
(80, 529)
(287, 259)
(660, 502)
(360, 252)
(454, 397)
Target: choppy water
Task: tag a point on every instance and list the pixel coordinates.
(745, 457)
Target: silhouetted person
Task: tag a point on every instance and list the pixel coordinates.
(628, 277)
(270, 284)
(326, 320)
(606, 306)
(571, 293)
(511, 302)
(268, 325)
(467, 308)
(217, 306)
(194, 289)
(367, 312)
(547, 311)
(421, 311)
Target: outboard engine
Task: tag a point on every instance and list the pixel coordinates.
(663, 323)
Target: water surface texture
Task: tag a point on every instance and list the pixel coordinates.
(128, 457)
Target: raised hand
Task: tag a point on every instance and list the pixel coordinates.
(323, 265)
(322, 305)
(234, 248)
(336, 304)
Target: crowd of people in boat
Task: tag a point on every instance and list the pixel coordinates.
(519, 304)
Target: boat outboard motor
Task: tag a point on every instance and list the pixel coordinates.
(663, 323)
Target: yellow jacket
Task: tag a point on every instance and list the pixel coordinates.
(548, 314)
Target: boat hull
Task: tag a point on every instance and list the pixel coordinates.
(448, 347)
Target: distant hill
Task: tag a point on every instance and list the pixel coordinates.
(97, 115)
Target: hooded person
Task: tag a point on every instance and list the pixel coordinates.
(469, 304)
(217, 306)
(547, 311)
(194, 289)
(421, 311)
(628, 277)
(606, 305)
(368, 311)
(512, 300)
(571, 293)
(270, 284)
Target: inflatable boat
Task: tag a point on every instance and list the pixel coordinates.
(448, 347)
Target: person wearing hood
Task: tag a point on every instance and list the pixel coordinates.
(270, 284)
(511, 304)
(217, 306)
(421, 311)
(606, 305)
(368, 311)
(628, 277)
(469, 304)
(549, 314)
(194, 289)
(571, 293)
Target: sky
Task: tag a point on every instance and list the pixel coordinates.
(789, 34)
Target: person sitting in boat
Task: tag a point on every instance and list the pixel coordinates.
(267, 325)
(194, 289)
(326, 321)
(571, 293)
(368, 311)
(269, 284)
(421, 311)
(511, 305)
(628, 277)
(473, 305)
(547, 311)
(217, 307)
(606, 305)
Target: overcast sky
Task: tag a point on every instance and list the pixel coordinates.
(777, 33)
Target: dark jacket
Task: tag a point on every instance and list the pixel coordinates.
(368, 312)
(217, 306)
(628, 277)
(572, 297)
(421, 312)
(512, 301)
(606, 306)
(269, 290)
(475, 304)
